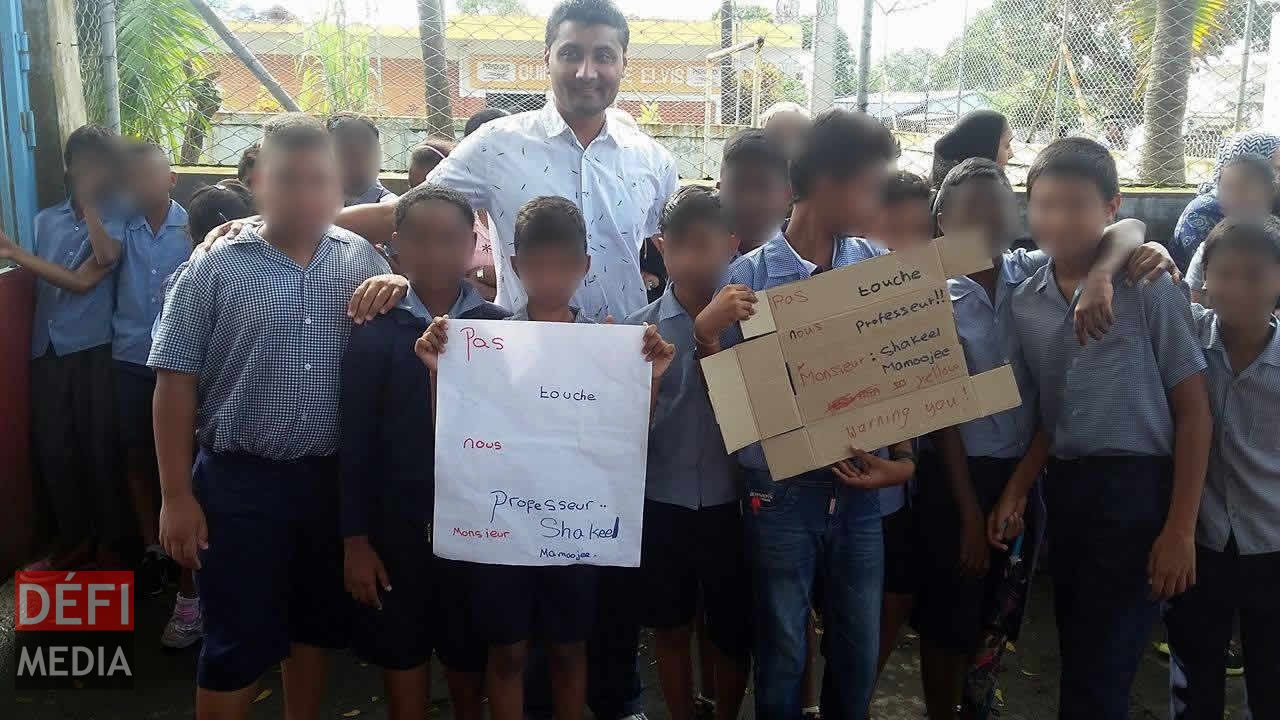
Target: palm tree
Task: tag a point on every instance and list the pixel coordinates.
(435, 68)
(1167, 36)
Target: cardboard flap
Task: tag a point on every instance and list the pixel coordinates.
(996, 390)
(761, 323)
(789, 454)
(963, 253)
(728, 392)
(768, 385)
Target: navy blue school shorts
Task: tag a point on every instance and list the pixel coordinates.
(273, 572)
(900, 554)
(686, 552)
(552, 604)
(135, 386)
(426, 610)
(951, 608)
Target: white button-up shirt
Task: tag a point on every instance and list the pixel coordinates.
(620, 182)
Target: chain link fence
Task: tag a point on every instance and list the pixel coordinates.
(1161, 82)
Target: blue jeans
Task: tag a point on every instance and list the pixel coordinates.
(795, 530)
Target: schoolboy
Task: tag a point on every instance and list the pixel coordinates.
(692, 543)
(248, 352)
(552, 604)
(1127, 426)
(905, 218)
(1246, 187)
(424, 158)
(77, 245)
(155, 242)
(387, 429)
(754, 188)
(359, 157)
(963, 472)
(1238, 530)
(837, 177)
(245, 169)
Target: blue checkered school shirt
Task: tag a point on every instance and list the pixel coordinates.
(1109, 397)
(777, 263)
(1242, 489)
(266, 338)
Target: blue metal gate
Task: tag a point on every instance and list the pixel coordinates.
(17, 128)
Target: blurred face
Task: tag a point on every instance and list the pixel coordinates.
(697, 256)
(1244, 285)
(1067, 215)
(92, 175)
(585, 63)
(418, 174)
(850, 205)
(434, 245)
(150, 180)
(551, 275)
(756, 201)
(981, 205)
(299, 189)
(358, 158)
(1004, 152)
(787, 128)
(904, 224)
(1240, 192)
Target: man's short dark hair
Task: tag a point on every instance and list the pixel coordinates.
(689, 205)
(294, 131)
(753, 148)
(588, 13)
(91, 139)
(248, 159)
(550, 221)
(430, 191)
(1258, 236)
(839, 145)
(975, 168)
(351, 125)
(484, 116)
(212, 205)
(1079, 158)
(905, 185)
(1256, 165)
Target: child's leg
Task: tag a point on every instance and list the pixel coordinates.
(811, 681)
(942, 675)
(232, 705)
(304, 674)
(895, 611)
(1260, 634)
(725, 582)
(568, 665)
(408, 692)
(706, 668)
(504, 679)
(1199, 625)
(900, 579)
(135, 386)
(732, 675)
(53, 433)
(466, 693)
(675, 669)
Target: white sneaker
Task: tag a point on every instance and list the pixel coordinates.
(186, 625)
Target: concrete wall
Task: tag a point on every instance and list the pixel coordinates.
(57, 96)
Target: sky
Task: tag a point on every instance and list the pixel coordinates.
(909, 24)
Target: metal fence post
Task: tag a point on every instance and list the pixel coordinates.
(1244, 62)
(110, 70)
(822, 95)
(1061, 74)
(864, 54)
(964, 48)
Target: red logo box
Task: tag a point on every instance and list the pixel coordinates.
(88, 601)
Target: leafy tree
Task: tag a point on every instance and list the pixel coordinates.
(846, 70)
(492, 7)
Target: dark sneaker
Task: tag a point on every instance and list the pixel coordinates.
(152, 572)
(1235, 659)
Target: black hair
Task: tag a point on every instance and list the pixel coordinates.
(430, 151)
(213, 205)
(1260, 168)
(248, 159)
(1255, 235)
(430, 191)
(971, 169)
(905, 185)
(486, 115)
(349, 124)
(753, 147)
(91, 139)
(688, 205)
(139, 149)
(294, 131)
(1079, 158)
(550, 220)
(588, 12)
(838, 145)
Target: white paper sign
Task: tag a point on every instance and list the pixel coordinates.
(542, 434)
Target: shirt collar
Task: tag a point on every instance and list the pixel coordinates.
(176, 217)
(250, 234)
(668, 305)
(782, 260)
(1211, 338)
(467, 300)
(522, 313)
(1046, 276)
(959, 287)
(554, 125)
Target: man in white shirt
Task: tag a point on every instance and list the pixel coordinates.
(617, 175)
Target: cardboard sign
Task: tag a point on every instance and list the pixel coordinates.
(542, 434)
(863, 356)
